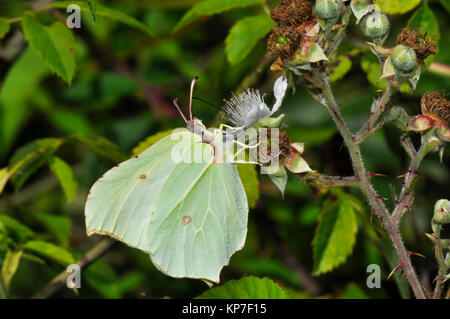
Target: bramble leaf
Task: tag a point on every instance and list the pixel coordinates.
(27, 159)
(397, 6)
(15, 227)
(339, 67)
(244, 35)
(211, 7)
(49, 250)
(18, 86)
(55, 45)
(65, 175)
(335, 235)
(247, 288)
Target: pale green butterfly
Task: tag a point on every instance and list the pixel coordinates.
(190, 216)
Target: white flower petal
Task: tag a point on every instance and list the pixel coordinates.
(279, 90)
(257, 113)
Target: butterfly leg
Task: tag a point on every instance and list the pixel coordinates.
(243, 147)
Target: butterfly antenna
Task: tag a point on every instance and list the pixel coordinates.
(192, 93)
(175, 102)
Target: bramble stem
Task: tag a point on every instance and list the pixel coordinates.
(91, 256)
(377, 114)
(391, 226)
(325, 181)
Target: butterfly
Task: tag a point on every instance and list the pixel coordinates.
(189, 214)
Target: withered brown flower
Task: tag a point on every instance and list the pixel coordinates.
(411, 38)
(436, 106)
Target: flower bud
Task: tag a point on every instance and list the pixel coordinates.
(328, 9)
(442, 212)
(375, 25)
(404, 58)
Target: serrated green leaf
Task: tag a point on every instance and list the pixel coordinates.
(103, 11)
(65, 175)
(100, 146)
(339, 67)
(149, 141)
(247, 288)
(397, 6)
(425, 21)
(9, 267)
(4, 27)
(211, 7)
(18, 86)
(249, 178)
(244, 35)
(55, 45)
(335, 235)
(27, 159)
(58, 225)
(51, 251)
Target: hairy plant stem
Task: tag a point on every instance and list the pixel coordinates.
(391, 226)
(91, 256)
(326, 181)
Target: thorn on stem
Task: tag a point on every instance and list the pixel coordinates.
(375, 174)
(393, 272)
(415, 254)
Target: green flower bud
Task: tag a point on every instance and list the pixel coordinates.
(442, 212)
(328, 9)
(375, 25)
(404, 58)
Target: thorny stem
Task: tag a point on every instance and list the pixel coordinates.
(439, 244)
(391, 226)
(442, 269)
(91, 256)
(406, 196)
(377, 114)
